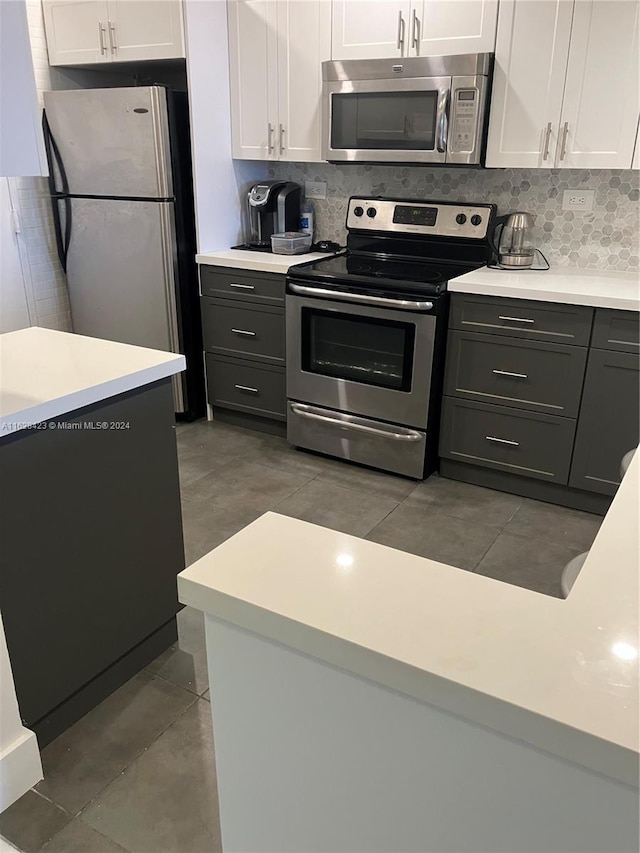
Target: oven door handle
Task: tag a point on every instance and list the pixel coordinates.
(402, 304)
(397, 433)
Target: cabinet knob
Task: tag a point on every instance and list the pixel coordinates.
(547, 137)
(400, 38)
(103, 48)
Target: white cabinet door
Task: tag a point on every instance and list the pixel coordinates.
(600, 108)
(530, 66)
(145, 29)
(253, 78)
(439, 27)
(369, 29)
(76, 31)
(304, 42)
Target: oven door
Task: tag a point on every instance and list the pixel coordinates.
(386, 121)
(360, 359)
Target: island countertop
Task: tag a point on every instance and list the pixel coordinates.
(45, 373)
(559, 674)
(567, 285)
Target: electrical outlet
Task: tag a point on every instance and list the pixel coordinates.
(315, 189)
(578, 200)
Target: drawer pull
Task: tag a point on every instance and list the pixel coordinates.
(246, 388)
(515, 319)
(509, 373)
(242, 286)
(244, 332)
(502, 440)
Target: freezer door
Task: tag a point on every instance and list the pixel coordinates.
(111, 142)
(121, 271)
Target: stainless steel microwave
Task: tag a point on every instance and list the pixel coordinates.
(430, 109)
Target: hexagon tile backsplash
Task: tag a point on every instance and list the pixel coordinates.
(605, 238)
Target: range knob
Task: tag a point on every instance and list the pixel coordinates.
(461, 219)
(358, 211)
(476, 219)
(371, 212)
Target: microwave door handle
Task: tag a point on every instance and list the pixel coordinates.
(442, 121)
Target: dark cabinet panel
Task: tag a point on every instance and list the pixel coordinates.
(521, 318)
(616, 330)
(246, 386)
(608, 424)
(525, 443)
(227, 283)
(245, 330)
(524, 374)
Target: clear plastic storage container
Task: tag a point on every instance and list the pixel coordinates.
(290, 243)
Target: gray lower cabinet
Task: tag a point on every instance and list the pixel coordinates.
(609, 420)
(539, 391)
(244, 341)
(525, 443)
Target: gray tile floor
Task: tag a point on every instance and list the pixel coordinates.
(137, 773)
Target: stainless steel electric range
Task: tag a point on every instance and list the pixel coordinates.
(366, 331)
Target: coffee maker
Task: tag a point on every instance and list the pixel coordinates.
(272, 208)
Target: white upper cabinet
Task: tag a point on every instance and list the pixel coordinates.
(304, 42)
(145, 29)
(253, 78)
(565, 91)
(276, 48)
(372, 29)
(76, 31)
(82, 32)
(441, 27)
(636, 153)
(600, 107)
(532, 47)
(369, 29)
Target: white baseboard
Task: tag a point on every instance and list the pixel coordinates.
(20, 768)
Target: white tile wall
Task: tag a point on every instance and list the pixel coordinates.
(44, 278)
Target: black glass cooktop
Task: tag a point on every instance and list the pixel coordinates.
(362, 270)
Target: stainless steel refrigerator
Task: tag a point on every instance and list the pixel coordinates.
(121, 188)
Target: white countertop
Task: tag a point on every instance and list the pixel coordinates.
(261, 261)
(551, 672)
(45, 373)
(568, 285)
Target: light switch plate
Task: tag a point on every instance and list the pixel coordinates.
(315, 189)
(578, 200)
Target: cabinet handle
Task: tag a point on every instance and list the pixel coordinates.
(502, 440)
(415, 30)
(565, 133)
(242, 286)
(282, 139)
(547, 137)
(270, 132)
(103, 48)
(112, 37)
(246, 388)
(515, 319)
(400, 39)
(508, 373)
(243, 332)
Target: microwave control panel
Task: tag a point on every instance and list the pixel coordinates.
(464, 120)
(434, 219)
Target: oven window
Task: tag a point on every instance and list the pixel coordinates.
(399, 121)
(360, 349)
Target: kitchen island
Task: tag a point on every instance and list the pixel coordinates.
(372, 700)
(90, 520)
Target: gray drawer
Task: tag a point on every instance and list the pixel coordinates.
(521, 318)
(525, 443)
(529, 375)
(616, 330)
(253, 331)
(246, 386)
(227, 283)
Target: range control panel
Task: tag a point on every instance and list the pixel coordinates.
(434, 219)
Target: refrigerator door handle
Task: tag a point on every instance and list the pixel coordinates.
(169, 260)
(54, 159)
